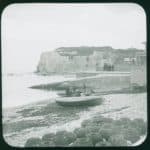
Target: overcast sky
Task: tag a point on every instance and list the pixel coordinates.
(30, 29)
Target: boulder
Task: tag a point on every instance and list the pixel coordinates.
(93, 129)
(117, 140)
(34, 142)
(106, 133)
(86, 123)
(80, 132)
(71, 137)
(131, 134)
(82, 142)
(94, 137)
(48, 139)
(60, 139)
(140, 125)
(123, 122)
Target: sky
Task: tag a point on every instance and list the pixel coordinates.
(30, 29)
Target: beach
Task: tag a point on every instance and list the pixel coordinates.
(40, 118)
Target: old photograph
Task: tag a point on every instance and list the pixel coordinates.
(74, 74)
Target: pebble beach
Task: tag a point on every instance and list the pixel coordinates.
(40, 118)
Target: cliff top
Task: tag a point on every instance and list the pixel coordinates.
(86, 51)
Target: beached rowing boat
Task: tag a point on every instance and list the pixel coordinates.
(78, 101)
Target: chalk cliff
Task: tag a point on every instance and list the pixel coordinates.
(76, 59)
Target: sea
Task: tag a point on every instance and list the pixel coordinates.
(16, 89)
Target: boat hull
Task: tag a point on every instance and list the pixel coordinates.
(79, 101)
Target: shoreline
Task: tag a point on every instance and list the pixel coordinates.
(25, 119)
(134, 90)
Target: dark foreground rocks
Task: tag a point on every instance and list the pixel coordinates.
(98, 131)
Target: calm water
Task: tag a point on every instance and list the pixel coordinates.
(16, 91)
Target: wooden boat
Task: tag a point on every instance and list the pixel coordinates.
(61, 93)
(78, 101)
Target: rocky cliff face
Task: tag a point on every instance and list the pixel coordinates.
(50, 62)
(76, 59)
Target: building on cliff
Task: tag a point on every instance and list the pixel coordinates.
(76, 59)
